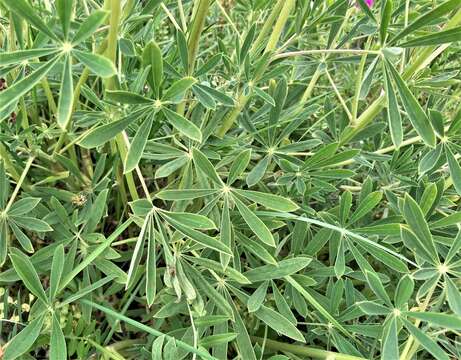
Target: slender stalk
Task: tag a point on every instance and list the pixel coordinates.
(111, 52)
(182, 16)
(267, 26)
(338, 95)
(324, 51)
(200, 13)
(170, 16)
(304, 350)
(229, 20)
(358, 84)
(196, 31)
(242, 100)
(406, 354)
(9, 166)
(279, 25)
(422, 60)
(19, 183)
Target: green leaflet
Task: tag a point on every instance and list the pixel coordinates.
(24, 268)
(64, 9)
(20, 88)
(415, 219)
(270, 201)
(176, 91)
(282, 269)
(138, 145)
(183, 125)
(427, 18)
(279, 323)
(455, 169)
(393, 111)
(16, 57)
(426, 342)
(152, 56)
(187, 194)
(255, 224)
(104, 133)
(57, 267)
(390, 347)
(442, 37)
(66, 93)
(24, 9)
(126, 97)
(98, 64)
(58, 349)
(199, 237)
(416, 114)
(445, 321)
(89, 26)
(21, 343)
(201, 161)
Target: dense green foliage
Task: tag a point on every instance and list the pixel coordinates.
(230, 179)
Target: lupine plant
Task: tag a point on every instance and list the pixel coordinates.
(230, 179)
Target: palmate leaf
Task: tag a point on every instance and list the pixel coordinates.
(133, 207)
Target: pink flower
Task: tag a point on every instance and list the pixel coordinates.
(368, 2)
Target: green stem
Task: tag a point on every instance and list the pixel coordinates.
(83, 77)
(5, 156)
(358, 84)
(196, 31)
(424, 58)
(279, 25)
(407, 354)
(111, 52)
(19, 183)
(193, 42)
(304, 350)
(242, 100)
(267, 26)
(150, 330)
